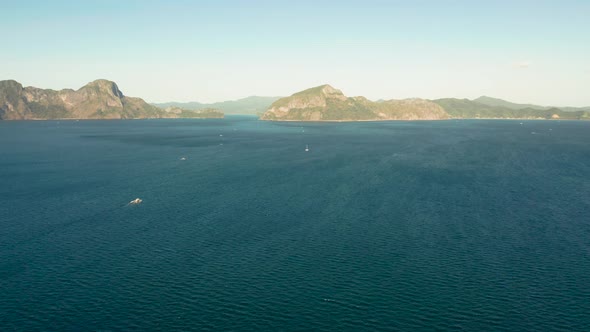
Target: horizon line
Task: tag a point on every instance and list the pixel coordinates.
(268, 96)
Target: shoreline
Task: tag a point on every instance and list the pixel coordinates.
(119, 119)
(416, 120)
(311, 121)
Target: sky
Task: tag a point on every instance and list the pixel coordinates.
(207, 51)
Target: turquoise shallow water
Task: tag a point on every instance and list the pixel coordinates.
(448, 226)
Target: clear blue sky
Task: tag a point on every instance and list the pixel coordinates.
(524, 51)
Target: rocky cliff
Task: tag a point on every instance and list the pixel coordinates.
(100, 99)
(324, 103)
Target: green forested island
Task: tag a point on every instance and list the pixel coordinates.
(324, 103)
(100, 99)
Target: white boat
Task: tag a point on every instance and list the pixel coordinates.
(135, 201)
(306, 148)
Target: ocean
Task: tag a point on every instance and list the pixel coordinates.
(459, 225)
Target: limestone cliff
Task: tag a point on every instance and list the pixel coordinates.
(100, 99)
(324, 103)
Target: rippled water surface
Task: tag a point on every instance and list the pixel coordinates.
(451, 225)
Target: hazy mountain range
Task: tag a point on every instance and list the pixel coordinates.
(490, 101)
(257, 105)
(102, 99)
(491, 108)
(253, 105)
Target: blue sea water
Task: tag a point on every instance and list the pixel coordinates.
(405, 226)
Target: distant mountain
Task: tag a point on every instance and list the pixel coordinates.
(574, 109)
(205, 113)
(250, 105)
(472, 109)
(193, 105)
(503, 103)
(100, 99)
(324, 103)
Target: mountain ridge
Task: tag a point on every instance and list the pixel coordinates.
(325, 103)
(491, 101)
(99, 99)
(251, 105)
(102, 99)
(471, 109)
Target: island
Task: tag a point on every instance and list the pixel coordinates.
(325, 103)
(100, 99)
(204, 113)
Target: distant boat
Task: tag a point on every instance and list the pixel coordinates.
(183, 158)
(135, 201)
(306, 148)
